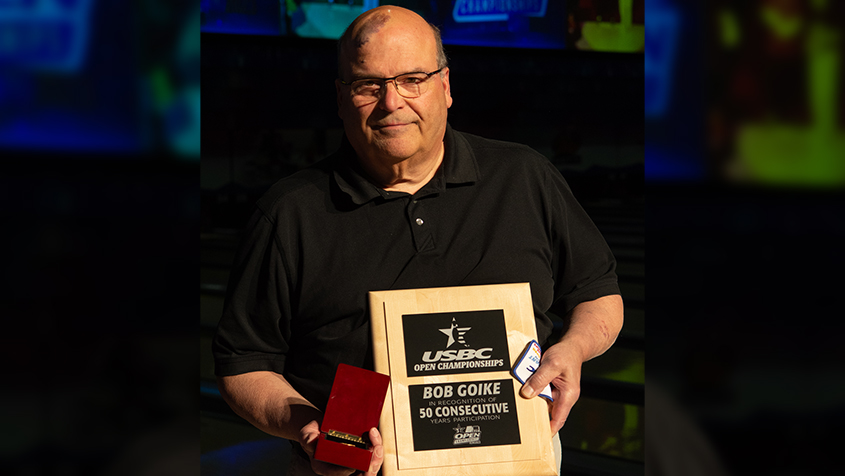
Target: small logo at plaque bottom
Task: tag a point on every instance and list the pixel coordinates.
(468, 435)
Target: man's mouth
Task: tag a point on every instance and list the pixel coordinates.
(391, 126)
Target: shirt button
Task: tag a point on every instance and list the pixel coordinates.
(420, 221)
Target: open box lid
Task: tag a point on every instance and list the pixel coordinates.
(356, 401)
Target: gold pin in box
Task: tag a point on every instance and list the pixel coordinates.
(354, 406)
(346, 439)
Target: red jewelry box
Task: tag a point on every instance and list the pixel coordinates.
(354, 407)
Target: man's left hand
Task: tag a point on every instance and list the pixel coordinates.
(593, 327)
(308, 439)
(560, 366)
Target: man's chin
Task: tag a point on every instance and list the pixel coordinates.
(396, 148)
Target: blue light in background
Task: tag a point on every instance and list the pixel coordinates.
(79, 76)
(53, 104)
(182, 112)
(258, 17)
(62, 131)
(661, 39)
(664, 165)
(462, 22)
(674, 146)
(483, 10)
(47, 35)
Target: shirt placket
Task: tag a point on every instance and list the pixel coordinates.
(421, 225)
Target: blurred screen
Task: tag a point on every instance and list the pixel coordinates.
(745, 93)
(601, 25)
(90, 76)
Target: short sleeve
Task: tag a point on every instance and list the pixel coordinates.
(254, 331)
(583, 265)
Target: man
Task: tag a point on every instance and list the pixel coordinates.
(406, 202)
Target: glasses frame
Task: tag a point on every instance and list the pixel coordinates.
(393, 79)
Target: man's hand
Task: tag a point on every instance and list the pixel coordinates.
(560, 366)
(308, 439)
(593, 327)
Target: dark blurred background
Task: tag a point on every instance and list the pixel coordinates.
(99, 141)
(745, 167)
(565, 78)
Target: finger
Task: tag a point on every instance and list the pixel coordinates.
(308, 435)
(564, 401)
(378, 452)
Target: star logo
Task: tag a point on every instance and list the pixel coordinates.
(455, 333)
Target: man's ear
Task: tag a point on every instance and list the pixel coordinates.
(447, 89)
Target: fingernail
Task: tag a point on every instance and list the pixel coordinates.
(379, 451)
(527, 391)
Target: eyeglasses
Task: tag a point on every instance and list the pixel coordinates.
(408, 85)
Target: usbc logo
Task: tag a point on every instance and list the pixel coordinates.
(456, 335)
(474, 342)
(463, 354)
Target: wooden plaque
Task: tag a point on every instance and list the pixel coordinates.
(452, 406)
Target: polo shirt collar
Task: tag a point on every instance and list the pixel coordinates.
(350, 177)
(459, 163)
(459, 167)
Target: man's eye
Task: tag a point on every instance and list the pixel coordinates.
(412, 80)
(369, 84)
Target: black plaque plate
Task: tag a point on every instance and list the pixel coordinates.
(455, 343)
(463, 414)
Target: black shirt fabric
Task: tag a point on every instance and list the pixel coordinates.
(495, 212)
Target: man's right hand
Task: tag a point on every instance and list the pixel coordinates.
(308, 439)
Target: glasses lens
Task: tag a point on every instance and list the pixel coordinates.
(411, 85)
(366, 87)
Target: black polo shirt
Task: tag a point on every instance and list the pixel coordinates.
(495, 212)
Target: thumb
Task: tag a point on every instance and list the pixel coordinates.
(378, 452)
(537, 382)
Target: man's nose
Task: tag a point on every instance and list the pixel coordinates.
(390, 98)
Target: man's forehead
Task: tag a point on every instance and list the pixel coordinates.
(382, 33)
(369, 26)
(362, 67)
(396, 49)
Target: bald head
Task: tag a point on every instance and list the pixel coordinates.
(394, 135)
(361, 31)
